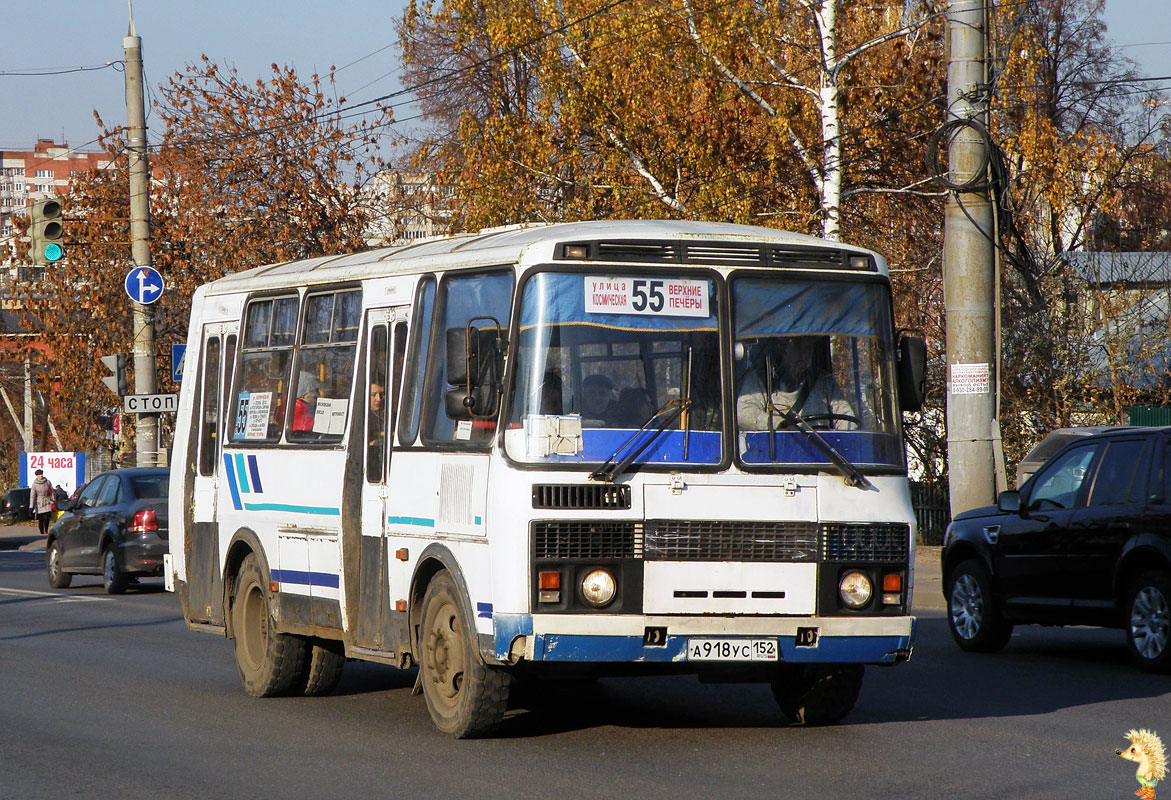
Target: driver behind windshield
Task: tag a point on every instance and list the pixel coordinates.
(800, 383)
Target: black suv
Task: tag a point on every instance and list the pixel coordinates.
(16, 505)
(1085, 541)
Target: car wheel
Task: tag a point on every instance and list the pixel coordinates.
(465, 697)
(58, 578)
(975, 622)
(270, 664)
(1148, 621)
(324, 661)
(113, 579)
(817, 694)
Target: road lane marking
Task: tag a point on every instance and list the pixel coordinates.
(47, 595)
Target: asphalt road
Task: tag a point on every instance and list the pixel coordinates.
(113, 697)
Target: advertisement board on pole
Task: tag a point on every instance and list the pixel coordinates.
(66, 470)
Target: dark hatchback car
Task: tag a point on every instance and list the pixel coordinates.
(16, 505)
(1085, 541)
(116, 527)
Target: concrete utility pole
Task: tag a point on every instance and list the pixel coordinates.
(968, 281)
(146, 426)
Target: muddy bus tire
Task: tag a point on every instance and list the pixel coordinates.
(465, 697)
(324, 661)
(270, 664)
(817, 694)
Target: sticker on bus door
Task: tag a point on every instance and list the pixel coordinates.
(667, 297)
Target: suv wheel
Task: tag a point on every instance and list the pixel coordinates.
(975, 622)
(1148, 621)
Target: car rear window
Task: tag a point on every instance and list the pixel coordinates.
(150, 486)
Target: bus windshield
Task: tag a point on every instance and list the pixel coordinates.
(602, 355)
(814, 354)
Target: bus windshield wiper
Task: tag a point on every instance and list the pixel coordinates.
(668, 413)
(849, 471)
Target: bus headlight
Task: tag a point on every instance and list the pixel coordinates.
(598, 588)
(855, 589)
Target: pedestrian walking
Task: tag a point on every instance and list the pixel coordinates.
(41, 500)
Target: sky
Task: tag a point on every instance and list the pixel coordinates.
(310, 35)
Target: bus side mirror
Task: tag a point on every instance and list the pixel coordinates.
(912, 372)
(474, 366)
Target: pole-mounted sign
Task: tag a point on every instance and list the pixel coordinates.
(144, 285)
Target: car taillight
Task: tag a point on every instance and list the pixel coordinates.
(144, 521)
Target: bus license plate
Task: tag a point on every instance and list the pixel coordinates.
(732, 650)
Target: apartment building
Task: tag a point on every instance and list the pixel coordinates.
(407, 206)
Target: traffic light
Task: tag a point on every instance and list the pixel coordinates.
(46, 233)
(116, 383)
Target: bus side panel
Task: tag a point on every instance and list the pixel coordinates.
(291, 499)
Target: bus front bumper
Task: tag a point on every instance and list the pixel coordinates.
(636, 638)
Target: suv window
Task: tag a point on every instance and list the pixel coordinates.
(1119, 479)
(1061, 483)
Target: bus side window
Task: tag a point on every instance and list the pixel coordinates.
(376, 413)
(420, 348)
(462, 298)
(399, 358)
(209, 425)
(270, 330)
(324, 377)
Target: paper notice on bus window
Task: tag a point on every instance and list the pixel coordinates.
(665, 297)
(258, 405)
(329, 415)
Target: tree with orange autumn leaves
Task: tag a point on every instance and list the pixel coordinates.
(245, 174)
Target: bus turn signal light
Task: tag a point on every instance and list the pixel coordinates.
(549, 582)
(892, 582)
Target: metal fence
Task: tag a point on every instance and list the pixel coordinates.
(932, 510)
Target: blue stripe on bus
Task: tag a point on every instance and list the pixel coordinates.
(242, 473)
(479, 520)
(484, 610)
(303, 578)
(254, 472)
(323, 510)
(423, 521)
(231, 476)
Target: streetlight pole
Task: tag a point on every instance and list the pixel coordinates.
(968, 275)
(143, 352)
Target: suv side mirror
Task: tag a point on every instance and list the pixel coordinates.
(474, 366)
(1009, 501)
(912, 372)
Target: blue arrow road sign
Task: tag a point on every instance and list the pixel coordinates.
(177, 353)
(144, 285)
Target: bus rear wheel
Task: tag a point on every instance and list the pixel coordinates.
(324, 661)
(817, 694)
(269, 663)
(465, 697)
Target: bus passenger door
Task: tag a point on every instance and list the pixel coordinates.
(204, 582)
(386, 336)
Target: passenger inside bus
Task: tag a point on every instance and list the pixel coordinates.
(801, 382)
(305, 408)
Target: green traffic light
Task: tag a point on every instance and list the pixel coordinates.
(54, 252)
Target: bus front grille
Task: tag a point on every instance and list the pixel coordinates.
(717, 540)
(874, 541)
(570, 539)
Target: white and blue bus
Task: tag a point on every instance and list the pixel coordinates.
(621, 447)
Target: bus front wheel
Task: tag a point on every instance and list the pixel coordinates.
(817, 694)
(270, 664)
(465, 697)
